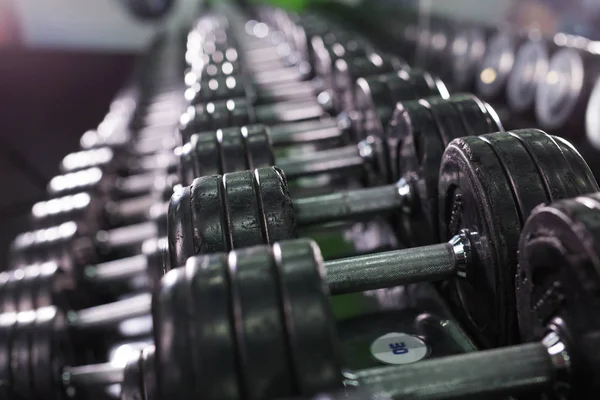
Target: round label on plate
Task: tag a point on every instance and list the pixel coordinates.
(398, 348)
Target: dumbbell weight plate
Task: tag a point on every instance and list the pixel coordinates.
(212, 328)
(563, 97)
(530, 67)
(171, 316)
(497, 66)
(468, 50)
(419, 155)
(312, 336)
(245, 226)
(592, 117)
(567, 235)
(555, 176)
(470, 198)
(7, 322)
(262, 346)
(47, 359)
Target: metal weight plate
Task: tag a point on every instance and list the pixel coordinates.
(478, 116)
(232, 150)
(241, 112)
(148, 364)
(497, 65)
(447, 117)
(468, 50)
(554, 163)
(132, 387)
(51, 350)
(264, 357)
(171, 315)
(200, 157)
(23, 382)
(194, 119)
(7, 325)
(584, 179)
(213, 350)
(474, 194)
(309, 321)
(26, 286)
(558, 267)
(275, 204)
(527, 185)
(245, 223)
(419, 160)
(258, 146)
(219, 114)
(559, 97)
(530, 67)
(6, 295)
(424, 84)
(209, 220)
(180, 228)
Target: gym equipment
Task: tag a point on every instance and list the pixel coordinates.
(487, 185)
(562, 98)
(529, 69)
(301, 355)
(496, 66)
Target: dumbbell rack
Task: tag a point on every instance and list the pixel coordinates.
(275, 207)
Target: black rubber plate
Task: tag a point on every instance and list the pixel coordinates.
(245, 227)
(258, 146)
(476, 195)
(276, 204)
(180, 229)
(232, 150)
(309, 320)
(209, 220)
(171, 314)
(213, 348)
(261, 336)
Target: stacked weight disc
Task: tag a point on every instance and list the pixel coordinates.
(298, 212)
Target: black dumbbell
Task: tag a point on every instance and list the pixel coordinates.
(557, 301)
(496, 66)
(51, 284)
(468, 49)
(487, 185)
(411, 149)
(529, 70)
(238, 112)
(49, 329)
(562, 98)
(403, 154)
(559, 310)
(377, 96)
(73, 244)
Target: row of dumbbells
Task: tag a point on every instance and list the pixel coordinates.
(551, 80)
(477, 194)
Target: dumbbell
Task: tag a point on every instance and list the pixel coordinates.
(50, 283)
(440, 120)
(376, 96)
(468, 49)
(76, 243)
(238, 112)
(52, 329)
(290, 278)
(486, 185)
(411, 149)
(496, 66)
(529, 70)
(557, 304)
(563, 97)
